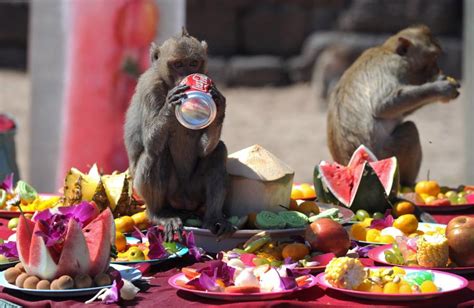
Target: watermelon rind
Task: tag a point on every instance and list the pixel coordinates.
(360, 155)
(370, 194)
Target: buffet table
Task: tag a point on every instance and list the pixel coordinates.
(160, 294)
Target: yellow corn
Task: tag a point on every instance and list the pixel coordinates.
(345, 272)
(432, 251)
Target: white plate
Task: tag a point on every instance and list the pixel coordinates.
(448, 283)
(208, 241)
(127, 272)
(422, 226)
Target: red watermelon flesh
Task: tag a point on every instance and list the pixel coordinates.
(24, 232)
(41, 263)
(338, 179)
(361, 155)
(98, 238)
(385, 170)
(75, 253)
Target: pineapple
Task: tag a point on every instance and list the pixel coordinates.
(345, 272)
(79, 186)
(117, 189)
(432, 251)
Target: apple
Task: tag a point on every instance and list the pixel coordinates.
(326, 235)
(460, 235)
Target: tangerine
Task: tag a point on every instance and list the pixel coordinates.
(404, 207)
(295, 251)
(387, 239)
(427, 187)
(375, 288)
(141, 220)
(358, 231)
(391, 288)
(296, 193)
(373, 235)
(428, 286)
(308, 191)
(406, 223)
(124, 224)
(120, 241)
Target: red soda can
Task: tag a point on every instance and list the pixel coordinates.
(198, 109)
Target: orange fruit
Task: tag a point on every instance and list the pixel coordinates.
(404, 207)
(405, 289)
(358, 232)
(406, 223)
(427, 187)
(308, 208)
(387, 239)
(120, 241)
(373, 235)
(124, 224)
(364, 287)
(141, 220)
(296, 193)
(308, 191)
(391, 288)
(428, 287)
(375, 288)
(295, 251)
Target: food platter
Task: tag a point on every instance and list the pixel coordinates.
(437, 208)
(127, 272)
(209, 242)
(448, 283)
(237, 296)
(377, 254)
(13, 214)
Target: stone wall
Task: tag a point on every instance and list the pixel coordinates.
(274, 42)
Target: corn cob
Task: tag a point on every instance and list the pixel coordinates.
(432, 251)
(345, 272)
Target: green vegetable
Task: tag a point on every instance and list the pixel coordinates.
(294, 219)
(257, 244)
(27, 193)
(269, 220)
(330, 213)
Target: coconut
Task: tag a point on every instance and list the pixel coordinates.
(258, 181)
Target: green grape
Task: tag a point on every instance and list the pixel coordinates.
(260, 261)
(462, 194)
(462, 200)
(377, 215)
(362, 214)
(390, 256)
(450, 194)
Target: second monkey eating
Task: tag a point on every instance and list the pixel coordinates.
(176, 170)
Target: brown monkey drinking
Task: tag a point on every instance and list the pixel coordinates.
(385, 84)
(178, 171)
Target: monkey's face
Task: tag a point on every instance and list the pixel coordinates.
(180, 57)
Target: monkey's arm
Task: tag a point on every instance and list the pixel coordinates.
(212, 134)
(408, 98)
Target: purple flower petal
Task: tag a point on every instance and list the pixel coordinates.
(83, 212)
(220, 270)
(112, 295)
(7, 184)
(205, 282)
(9, 250)
(157, 250)
(191, 244)
(289, 281)
(138, 234)
(383, 223)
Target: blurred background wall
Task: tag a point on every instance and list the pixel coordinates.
(275, 60)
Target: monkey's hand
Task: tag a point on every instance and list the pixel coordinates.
(217, 96)
(448, 88)
(171, 225)
(174, 98)
(220, 227)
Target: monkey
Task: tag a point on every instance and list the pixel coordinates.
(176, 170)
(374, 95)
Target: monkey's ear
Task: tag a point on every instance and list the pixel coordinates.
(154, 52)
(204, 45)
(403, 45)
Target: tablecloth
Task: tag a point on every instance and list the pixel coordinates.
(160, 294)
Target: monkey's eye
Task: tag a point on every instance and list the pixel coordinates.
(178, 64)
(194, 63)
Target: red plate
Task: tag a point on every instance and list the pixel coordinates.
(437, 208)
(377, 254)
(237, 297)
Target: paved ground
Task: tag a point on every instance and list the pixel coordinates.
(288, 122)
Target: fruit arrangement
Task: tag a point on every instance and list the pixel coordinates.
(349, 273)
(150, 247)
(19, 276)
(71, 241)
(25, 196)
(365, 183)
(112, 191)
(430, 193)
(386, 230)
(451, 248)
(235, 276)
(298, 215)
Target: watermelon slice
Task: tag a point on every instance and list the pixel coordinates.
(364, 184)
(98, 235)
(24, 233)
(41, 263)
(74, 257)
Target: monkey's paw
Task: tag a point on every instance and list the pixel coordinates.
(220, 227)
(171, 226)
